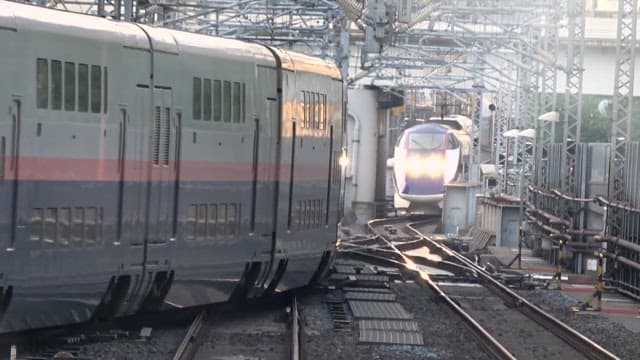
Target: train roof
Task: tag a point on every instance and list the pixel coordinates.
(428, 128)
(235, 50)
(21, 17)
(294, 61)
(458, 122)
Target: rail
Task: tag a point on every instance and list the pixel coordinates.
(190, 343)
(391, 251)
(295, 330)
(488, 341)
(578, 341)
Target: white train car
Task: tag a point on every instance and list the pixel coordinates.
(427, 156)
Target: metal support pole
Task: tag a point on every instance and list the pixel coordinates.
(573, 92)
(597, 295)
(557, 277)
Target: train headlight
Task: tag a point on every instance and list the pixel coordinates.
(437, 166)
(344, 159)
(425, 166)
(416, 166)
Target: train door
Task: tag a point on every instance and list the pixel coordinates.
(145, 204)
(160, 206)
(10, 135)
(264, 201)
(10, 123)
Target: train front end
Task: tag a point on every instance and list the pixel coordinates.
(426, 158)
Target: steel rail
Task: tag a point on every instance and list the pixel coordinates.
(295, 331)
(488, 341)
(581, 343)
(190, 343)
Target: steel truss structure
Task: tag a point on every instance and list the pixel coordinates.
(573, 92)
(622, 213)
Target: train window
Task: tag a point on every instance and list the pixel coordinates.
(37, 225)
(167, 136)
(50, 225)
(244, 103)
(321, 105)
(91, 225)
(99, 222)
(96, 89)
(426, 141)
(69, 86)
(238, 217)
(206, 104)
(226, 102)
(56, 85)
(64, 226)
(298, 213)
(83, 87)
(314, 110)
(211, 222)
(313, 207)
(222, 219)
(301, 209)
(155, 136)
(304, 109)
(42, 84)
(201, 227)
(309, 109)
(3, 146)
(318, 112)
(305, 102)
(105, 89)
(191, 222)
(217, 100)
(336, 172)
(77, 226)
(312, 213)
(197, 98)
(232, 219)
(237, 98)
(453, 142)
(323, 123)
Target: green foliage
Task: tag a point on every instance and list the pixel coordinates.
(595, 126)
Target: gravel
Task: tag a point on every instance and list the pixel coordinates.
(444, 334)
(160, 345)
(609, 334)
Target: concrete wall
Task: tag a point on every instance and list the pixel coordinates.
(362, 144)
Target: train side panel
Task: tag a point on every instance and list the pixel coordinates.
(64, 187)
(311, 137)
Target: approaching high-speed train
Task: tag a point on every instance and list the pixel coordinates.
(427, 156)
(143, 168)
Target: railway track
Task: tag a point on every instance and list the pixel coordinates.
(270, 332)
(507, 325)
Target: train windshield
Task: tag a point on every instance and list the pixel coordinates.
(426, 141)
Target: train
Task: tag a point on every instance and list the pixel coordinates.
(428, 155)
(145, 169)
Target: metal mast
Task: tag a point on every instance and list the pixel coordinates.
(622, 103)
(573, 92)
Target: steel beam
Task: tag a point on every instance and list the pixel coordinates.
(573, 92)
